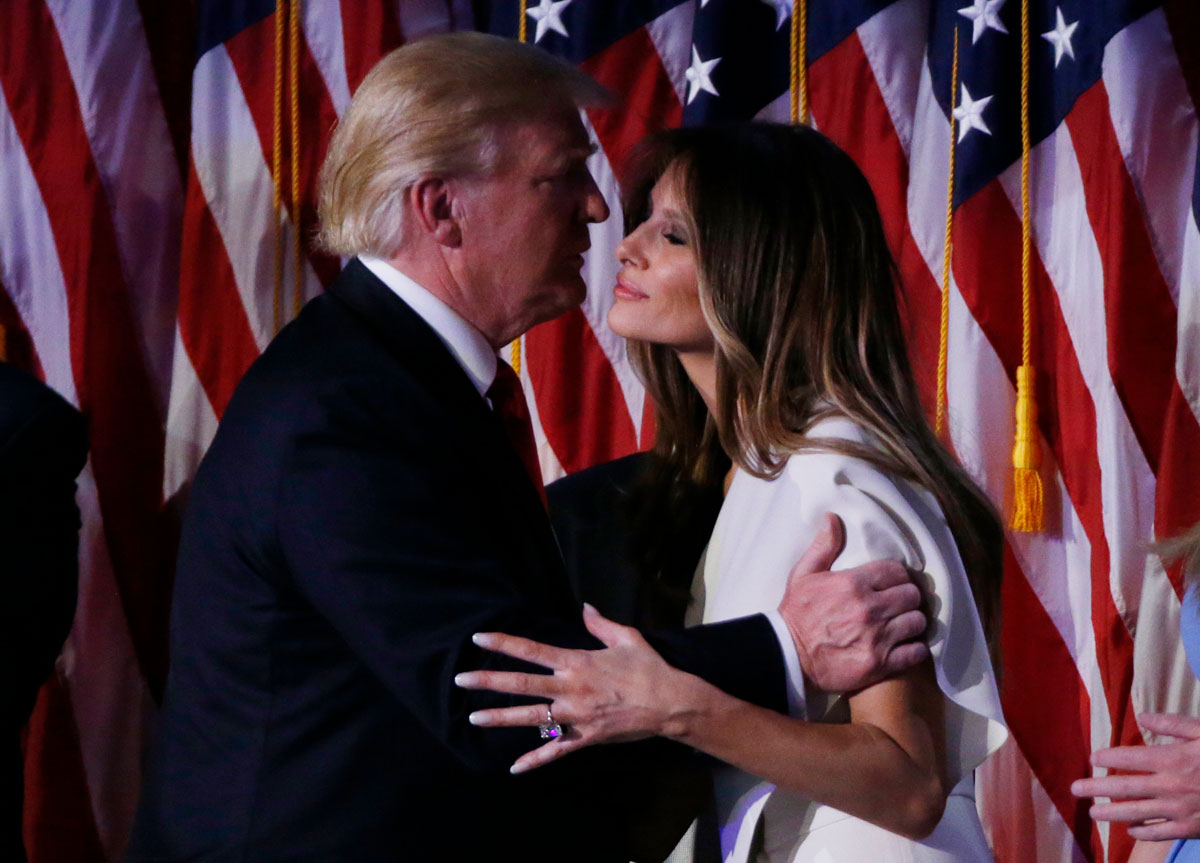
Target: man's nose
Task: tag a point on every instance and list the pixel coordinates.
(595, 208)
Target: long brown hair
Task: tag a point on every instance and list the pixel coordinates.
(800, 291)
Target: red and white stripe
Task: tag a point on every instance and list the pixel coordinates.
(146, 293)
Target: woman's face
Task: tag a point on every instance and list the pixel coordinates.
(656, 297)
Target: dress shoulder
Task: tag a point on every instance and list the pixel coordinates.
(887, 517)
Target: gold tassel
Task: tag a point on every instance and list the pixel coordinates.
(1028, 505)
(1028, 514)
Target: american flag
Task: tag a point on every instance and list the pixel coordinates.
(139, 251)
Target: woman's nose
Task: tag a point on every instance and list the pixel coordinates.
(629, 249)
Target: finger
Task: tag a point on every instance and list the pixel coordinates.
(511, 682)
(1139, 786)
(1171, 725)
(906, 627)
(897, 599)
(608, 631)
(825, 547)
(531, 715)
(1128, 811)
(1146, 759)
(883, 574)
(1092, 786)
(522, 648)
(544, 754)
(1162, 831)
(904, 656)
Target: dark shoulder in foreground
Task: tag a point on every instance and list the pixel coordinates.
(37, 423)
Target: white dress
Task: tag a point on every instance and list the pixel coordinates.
(763, 529)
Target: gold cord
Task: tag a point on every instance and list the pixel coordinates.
(798, 61)
(276, 156)
(294, 98)
(1028, 513)
(944, 330)
(515, 350)
(515, 355)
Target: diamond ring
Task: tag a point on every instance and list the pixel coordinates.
(550, 730)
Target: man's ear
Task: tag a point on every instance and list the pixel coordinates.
(432, 203)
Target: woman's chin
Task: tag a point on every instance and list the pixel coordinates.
(625, 322)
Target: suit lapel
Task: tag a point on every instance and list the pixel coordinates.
(424, 357)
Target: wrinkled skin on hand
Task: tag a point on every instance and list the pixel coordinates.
(854, 627)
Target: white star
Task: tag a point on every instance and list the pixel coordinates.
(984, 14)
(1060, 38)
(698, 76)
(969, 114)
(783, 11)
(548, 15)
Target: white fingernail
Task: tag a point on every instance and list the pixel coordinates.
(478, 718)
(516, 770)
(463, 679)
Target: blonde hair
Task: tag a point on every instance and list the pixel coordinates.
(434, 107)
(1183, 549)
(800, 292)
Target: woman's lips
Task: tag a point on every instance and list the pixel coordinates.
(626, 291)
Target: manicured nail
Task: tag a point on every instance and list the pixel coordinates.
(483, 639)
(587, 606)
(517, 769)
(464, 679)
(479, 718)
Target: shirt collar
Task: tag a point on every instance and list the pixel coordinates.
(466, 344)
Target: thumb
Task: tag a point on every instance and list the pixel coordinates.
(608, 631)
(825, 547)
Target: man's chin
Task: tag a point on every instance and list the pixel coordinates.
(569, 295)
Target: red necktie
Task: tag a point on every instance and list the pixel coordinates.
(508, 401)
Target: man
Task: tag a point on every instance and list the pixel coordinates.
(363, 510)
(43, 446)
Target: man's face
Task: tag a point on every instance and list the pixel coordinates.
(525, 227)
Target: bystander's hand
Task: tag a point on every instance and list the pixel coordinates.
(1160, 799)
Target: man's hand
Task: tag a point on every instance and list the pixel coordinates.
(855, 627)
(1161, 800)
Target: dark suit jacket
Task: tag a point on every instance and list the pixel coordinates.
(43, 446)
(593, 514)
(359, 515)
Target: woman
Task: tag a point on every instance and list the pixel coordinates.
(758, 296)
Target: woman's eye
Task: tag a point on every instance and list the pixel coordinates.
(674, 239)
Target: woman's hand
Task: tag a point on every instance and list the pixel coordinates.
(623, 692)
(1162, 800)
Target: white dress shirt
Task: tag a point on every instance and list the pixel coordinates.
(466, 344)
